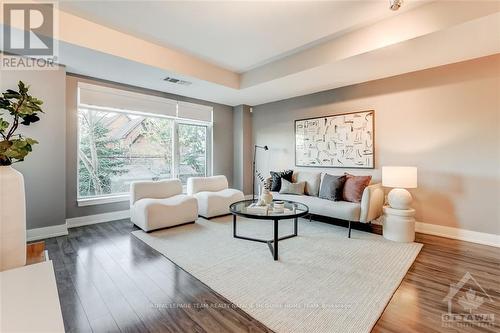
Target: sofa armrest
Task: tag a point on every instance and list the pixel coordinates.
(372, 202)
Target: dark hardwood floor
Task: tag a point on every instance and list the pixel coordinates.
(418, 305)
(109, 281)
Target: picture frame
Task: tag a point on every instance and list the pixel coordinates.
(345, 140)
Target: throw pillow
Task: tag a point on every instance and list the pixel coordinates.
(276, 179)
(291, 188)
(354, 187)
(312, 180)
(332, 187)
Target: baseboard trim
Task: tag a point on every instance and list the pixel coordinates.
(46, 232)
(97, 218)
(460, 234)
(425, 228)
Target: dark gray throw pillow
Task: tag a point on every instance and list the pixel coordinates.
(332, 187)
(276, 179)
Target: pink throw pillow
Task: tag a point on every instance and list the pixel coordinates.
(354, 187)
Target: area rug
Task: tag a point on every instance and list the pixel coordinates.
(323, 281)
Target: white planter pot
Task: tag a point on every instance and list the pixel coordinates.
(12, 219)
(266, 196)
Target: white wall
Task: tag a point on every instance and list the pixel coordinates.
(44, 168)
(444, 120)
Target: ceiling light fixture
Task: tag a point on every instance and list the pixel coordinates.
(395, 4)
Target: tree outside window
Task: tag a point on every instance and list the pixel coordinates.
(116, 148)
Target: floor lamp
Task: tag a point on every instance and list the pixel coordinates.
(253, 167)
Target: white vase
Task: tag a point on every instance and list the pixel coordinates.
(266, 196)
(12, 219)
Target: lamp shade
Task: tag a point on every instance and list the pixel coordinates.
(399, 176)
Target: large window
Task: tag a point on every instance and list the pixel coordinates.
(117, 147)
(192, 151)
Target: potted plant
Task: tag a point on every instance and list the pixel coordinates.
(23, 109)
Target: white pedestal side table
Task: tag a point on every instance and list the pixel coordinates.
(399, 224)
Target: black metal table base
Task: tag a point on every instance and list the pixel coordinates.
(273, 243)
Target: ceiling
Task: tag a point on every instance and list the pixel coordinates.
(235, 35)
(258, 52)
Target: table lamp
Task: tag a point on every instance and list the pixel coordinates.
(399, 178)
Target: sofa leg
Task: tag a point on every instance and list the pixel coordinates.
(310, 217)
(349, 232)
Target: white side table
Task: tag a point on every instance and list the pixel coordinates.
(399, 224)
(30, 302)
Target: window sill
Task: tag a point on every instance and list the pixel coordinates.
(82, 202)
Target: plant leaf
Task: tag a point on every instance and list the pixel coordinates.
(31, 118)
(3, 125)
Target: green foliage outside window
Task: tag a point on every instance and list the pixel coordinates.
(98, 156)
(192, 140)
(117, 148)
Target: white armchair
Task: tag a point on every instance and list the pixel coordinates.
(161, 204)
(214, 196)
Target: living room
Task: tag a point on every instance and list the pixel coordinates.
(289, 166)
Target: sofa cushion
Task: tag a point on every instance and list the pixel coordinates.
(212, 204)
(154, 189)
(312, 180)
(292, 188)
(210, 184)
(354, 187)
(276, 178)
(152, 213)
(343, 210)
(332, 187)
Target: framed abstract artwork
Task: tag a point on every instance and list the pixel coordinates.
(338, 141)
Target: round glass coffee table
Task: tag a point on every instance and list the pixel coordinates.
(292, 210)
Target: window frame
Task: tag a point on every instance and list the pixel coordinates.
(176, 121)
(208, 146)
